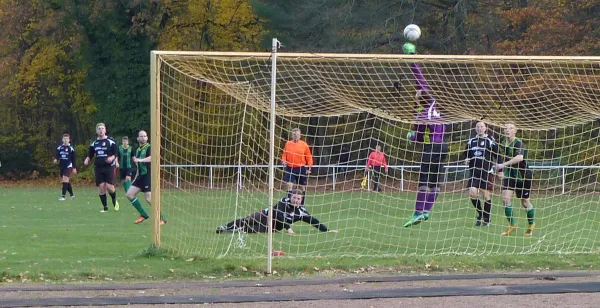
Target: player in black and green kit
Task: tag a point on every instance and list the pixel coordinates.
(142, 183)
(124, 163)
(517, 179)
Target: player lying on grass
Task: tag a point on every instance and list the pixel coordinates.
(286, 212)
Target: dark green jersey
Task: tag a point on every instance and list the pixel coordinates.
(515, 148)
(125, 157)
(140, 153)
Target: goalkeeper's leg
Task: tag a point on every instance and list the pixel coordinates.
(420, 204)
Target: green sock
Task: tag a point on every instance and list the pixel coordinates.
(126, 185)
(509, 214)
(530, 215)
(138, 206)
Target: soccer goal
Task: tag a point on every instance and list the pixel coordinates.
(220, 121)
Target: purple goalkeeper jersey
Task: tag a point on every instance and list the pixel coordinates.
(430, 128)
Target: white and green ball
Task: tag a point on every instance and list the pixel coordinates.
(412, 32)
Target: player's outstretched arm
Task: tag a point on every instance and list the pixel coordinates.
(315, 223)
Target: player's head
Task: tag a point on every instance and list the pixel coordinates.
(101, 130)
(142, 137)
(480, 128)
(296, 134)
(510, 130)
(296, 197)
(378, 148)
(125, 141)
(66, 138)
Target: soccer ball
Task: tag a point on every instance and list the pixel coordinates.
(412, 32)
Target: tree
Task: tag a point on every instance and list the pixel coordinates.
(42, 86)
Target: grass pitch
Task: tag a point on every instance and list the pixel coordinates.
(71, 241)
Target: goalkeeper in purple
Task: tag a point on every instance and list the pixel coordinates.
(428, 134)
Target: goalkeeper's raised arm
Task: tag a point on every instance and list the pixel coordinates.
(298, 161)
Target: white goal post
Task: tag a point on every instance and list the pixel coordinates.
(220, 121)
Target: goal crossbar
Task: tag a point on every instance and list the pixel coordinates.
(306, 56)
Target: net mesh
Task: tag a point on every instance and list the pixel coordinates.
(215, 151)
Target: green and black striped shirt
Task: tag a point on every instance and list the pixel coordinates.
(125, 157)
(516, 147)
(140, 153)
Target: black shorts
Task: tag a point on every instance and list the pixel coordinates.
(142, 182)
(522, 188)
(432, 164)
(481, 179)
(295, 175)
(66, 172)
(124, 172)
(105, 175)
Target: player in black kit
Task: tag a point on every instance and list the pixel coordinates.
(105, 150)
(65, 158)
(481, 156)
(286, 212)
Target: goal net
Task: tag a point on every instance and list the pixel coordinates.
(214, 125)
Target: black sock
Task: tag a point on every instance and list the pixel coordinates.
(303, 197)
(64, 189)
(70, 189)
(477, 205)
(103, 200)
(113, 196)
(487, 210)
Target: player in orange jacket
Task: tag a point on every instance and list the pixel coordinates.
(298, 162)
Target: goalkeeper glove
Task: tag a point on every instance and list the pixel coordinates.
(410, 135)
(409, 48)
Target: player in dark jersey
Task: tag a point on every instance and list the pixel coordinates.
(286, 212)
(481, 154)
(66, 159)
(124, 163)
(428, 133)
(105, 150)
(142, 182)
(517, 178)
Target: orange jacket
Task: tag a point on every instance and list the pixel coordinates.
(297, 154)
